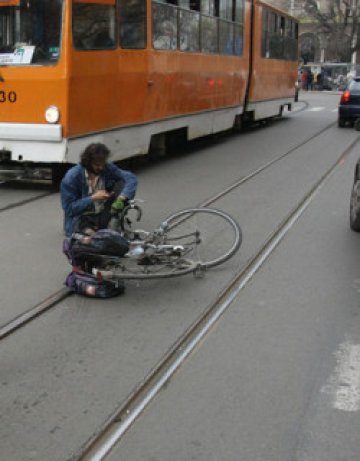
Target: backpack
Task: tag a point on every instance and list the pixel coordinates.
(88, 285)
(86, 251)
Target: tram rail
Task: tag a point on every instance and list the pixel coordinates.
(33, 312)
(25, 201)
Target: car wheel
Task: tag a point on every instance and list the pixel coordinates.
(341, 122)
(355, 207)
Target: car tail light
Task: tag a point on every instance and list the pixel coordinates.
(345, 98)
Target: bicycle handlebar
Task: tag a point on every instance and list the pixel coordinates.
(131, 206)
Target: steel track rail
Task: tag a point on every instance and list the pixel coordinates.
(43, 306)
(25, 202)
(110, 434)
(26, 317)
(243, 180)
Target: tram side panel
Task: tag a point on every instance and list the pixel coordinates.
(202, 91)
(274, 62)
(195, 86)
(124, 97)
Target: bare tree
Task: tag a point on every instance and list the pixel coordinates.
(338, 21)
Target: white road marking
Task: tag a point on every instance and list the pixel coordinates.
(344, 384)
(316, 109)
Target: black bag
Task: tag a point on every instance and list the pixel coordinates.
(89, 251)
(104, 242)
(88, 285)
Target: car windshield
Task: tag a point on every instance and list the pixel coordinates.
(30, 32)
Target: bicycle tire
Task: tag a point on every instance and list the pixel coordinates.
(226, 227)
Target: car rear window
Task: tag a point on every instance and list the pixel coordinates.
(354, 85)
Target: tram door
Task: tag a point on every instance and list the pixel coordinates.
(92, 73)
(107, 77)
(132, 81)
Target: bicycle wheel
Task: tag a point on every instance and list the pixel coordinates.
(210, 236)
(131, 269)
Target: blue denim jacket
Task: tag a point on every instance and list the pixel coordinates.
(75, 199)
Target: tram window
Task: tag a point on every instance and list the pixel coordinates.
(288, 39)
(271, 22)
(276, 46)
(207, 7)
(30, 32)
(195, 5)
(164, 26)
(291, 41)
(226, 37)
(264, 35)
(6, 27)
(239, 11)
(132, 24)
(93, 26)
(189, 30)
(238, 39)
(278, 37)
(282, 25)
(209, 34)
(226, 9)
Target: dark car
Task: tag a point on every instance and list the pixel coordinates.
(349, 107)
(355, 200)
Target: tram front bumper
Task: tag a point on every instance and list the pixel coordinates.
(30, 132)
(10, 172)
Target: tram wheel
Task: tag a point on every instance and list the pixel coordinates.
(58, 172)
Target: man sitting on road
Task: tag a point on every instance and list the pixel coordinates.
(91, 190)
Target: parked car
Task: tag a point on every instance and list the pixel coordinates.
(349, 107)
(355, 200)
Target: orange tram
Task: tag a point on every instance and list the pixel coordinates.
(134, 74)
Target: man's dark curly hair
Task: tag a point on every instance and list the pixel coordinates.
(94, 152)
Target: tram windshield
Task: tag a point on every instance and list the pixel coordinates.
(30, 32)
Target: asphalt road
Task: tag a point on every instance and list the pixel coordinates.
(278, 379)
(265, 383)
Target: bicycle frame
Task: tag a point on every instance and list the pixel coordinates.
(152, 255)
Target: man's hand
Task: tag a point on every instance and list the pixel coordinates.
(100, 195)
(118, 204)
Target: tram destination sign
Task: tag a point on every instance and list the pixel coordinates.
(21, 55)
